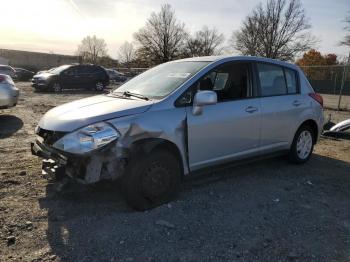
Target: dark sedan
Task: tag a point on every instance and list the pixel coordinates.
(23, 74)
(116, 76)
(72, 76)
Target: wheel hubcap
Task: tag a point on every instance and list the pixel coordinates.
(304, 144)
(56, 87)
(99, 86)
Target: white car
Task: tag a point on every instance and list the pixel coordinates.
(9, 93)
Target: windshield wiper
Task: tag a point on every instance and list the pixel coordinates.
(114, 94)
(128, 94)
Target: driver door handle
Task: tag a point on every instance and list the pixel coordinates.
(251, 109)
(296, 103)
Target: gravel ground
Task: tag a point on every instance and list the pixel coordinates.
(263, 211)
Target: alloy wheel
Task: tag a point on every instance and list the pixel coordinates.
(304, 144)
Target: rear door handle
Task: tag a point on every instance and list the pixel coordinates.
(296, 103)
(251, 109)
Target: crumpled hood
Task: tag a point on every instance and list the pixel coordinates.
(83, 112)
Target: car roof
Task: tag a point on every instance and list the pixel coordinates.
(228, 58)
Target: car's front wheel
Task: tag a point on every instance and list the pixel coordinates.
(56, 87)
(151, 180)
(99, 86)
(303, 145)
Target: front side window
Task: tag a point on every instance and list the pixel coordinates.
(70, 71)
(230, 81)
(81, 69)
(161, 80)
(272, 81)
(59, 69)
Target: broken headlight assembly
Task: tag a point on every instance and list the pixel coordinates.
(87, 139)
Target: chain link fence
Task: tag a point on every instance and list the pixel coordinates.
(132, 71)
(333, 82)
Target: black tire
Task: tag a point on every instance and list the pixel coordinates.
(99, 86)
(294, 153)
(151, 180)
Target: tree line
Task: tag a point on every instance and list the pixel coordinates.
(277, 29)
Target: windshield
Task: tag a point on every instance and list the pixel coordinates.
(59, 69)
(161, 80)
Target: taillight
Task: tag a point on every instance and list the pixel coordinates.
(317, 97)
(2, 79)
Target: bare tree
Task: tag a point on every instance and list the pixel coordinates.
(346, 40)
(92, 49)
(126, 53)
(162, 38)
(206, 42)
(278, 29)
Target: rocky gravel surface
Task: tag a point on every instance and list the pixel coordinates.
(267, 210)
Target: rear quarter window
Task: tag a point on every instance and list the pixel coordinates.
(292, 80)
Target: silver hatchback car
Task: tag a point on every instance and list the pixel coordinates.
(180, 117)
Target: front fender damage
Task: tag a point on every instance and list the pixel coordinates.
(110, 163)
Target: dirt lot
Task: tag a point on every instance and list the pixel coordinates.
(265, 211)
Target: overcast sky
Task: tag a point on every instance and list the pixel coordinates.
(59, 25)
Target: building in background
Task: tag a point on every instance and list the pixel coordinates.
(4, 61)
(34, 60)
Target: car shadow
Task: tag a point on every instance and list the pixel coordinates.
(95, 223)
(9, 125)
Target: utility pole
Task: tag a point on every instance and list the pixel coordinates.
(343, 80)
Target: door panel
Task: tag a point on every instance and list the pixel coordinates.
(279, 116)
(68, 78)
(224, 131)
(280, 106)
(82, 76)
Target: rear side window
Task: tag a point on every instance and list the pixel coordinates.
(272, 81)
(291, 79)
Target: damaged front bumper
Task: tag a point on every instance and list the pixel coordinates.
(90, 168)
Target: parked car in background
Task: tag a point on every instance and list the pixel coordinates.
(7, 70)
(23, 74)
(44, 71)
(116, 76)
(180, 117)
(8, 92)
(72, 76)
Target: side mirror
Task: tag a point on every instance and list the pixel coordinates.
(203, 98)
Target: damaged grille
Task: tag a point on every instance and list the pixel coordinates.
(50, 137)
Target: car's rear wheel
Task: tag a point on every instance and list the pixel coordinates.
(302, 146)
(56, 87)
(99, 86)
(151, 180)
